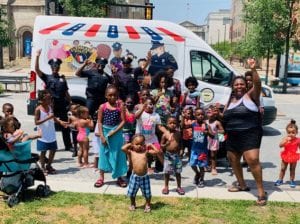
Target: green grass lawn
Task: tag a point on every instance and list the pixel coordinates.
(65, 207)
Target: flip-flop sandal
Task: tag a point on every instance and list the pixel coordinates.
(51, 170)
(180, 191)
(165, 191)
(238, 189)
(99, 183)
(45, 172)
(121, 183)
(262, 200)
(147, 209)
(132, 208)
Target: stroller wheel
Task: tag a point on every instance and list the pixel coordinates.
(42, 190)
(47, 190)
(12, 200)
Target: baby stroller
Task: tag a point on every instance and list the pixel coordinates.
(19, 171)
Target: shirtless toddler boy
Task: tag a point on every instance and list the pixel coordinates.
(137, 155)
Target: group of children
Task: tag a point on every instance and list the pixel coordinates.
(152, 132)
(160, 127)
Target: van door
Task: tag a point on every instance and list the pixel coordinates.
(213, 76)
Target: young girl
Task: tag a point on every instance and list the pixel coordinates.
(83, 126)
(111, 119)
(44, 119)
(12, 134)
(144, 94)
(213, 142)
(130, 124)
(290, 153)
(199, 152)
(187, 131)
(175, 109)
(72, 121)
(162, 96)
(191, 98)
(130, 121)
(147, 122)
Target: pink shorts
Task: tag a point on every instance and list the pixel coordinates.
(157, 145)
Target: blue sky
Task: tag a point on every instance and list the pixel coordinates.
(193, 10)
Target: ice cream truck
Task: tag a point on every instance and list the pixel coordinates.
(75, 39)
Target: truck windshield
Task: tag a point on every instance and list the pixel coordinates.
(206, 67)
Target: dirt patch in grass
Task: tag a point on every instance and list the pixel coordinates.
(74, 213)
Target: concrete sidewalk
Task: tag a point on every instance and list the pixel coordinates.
(73, 179)
(220, 193)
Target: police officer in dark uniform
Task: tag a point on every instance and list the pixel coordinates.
(57, 86)
(126, 82)
(160, 58)
(97, 81)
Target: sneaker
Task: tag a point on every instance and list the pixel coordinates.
(292, 184)
(201, 184)
(278, 182)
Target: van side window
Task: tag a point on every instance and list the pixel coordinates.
(206, 67)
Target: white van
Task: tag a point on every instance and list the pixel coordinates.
(74, 39)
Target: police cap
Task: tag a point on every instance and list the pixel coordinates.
(54, 62)
(126, 60)
(156, 44)
(101, 61)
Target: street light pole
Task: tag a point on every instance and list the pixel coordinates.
(218, 39)
(224, 36)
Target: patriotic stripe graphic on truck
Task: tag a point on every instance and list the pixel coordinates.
(112, 31)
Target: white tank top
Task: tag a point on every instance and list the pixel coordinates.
(47, 128)
(246, 101)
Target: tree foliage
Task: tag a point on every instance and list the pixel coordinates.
(5, 40)
(86, 8)
(267, 25)
(224, 48)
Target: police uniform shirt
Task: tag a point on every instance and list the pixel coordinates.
(56, 85)
(96, 83)
(160, 62)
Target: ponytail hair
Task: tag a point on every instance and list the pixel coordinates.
(292, 124)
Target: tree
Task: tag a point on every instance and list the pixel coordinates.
(223, 48)
(5, 40)
(268, 21)
(87, 8)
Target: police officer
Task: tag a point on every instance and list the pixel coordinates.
(126, 82)
(57, 86)
(97, 81)
(160, 58)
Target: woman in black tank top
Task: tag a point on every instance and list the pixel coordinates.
(244, 131)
